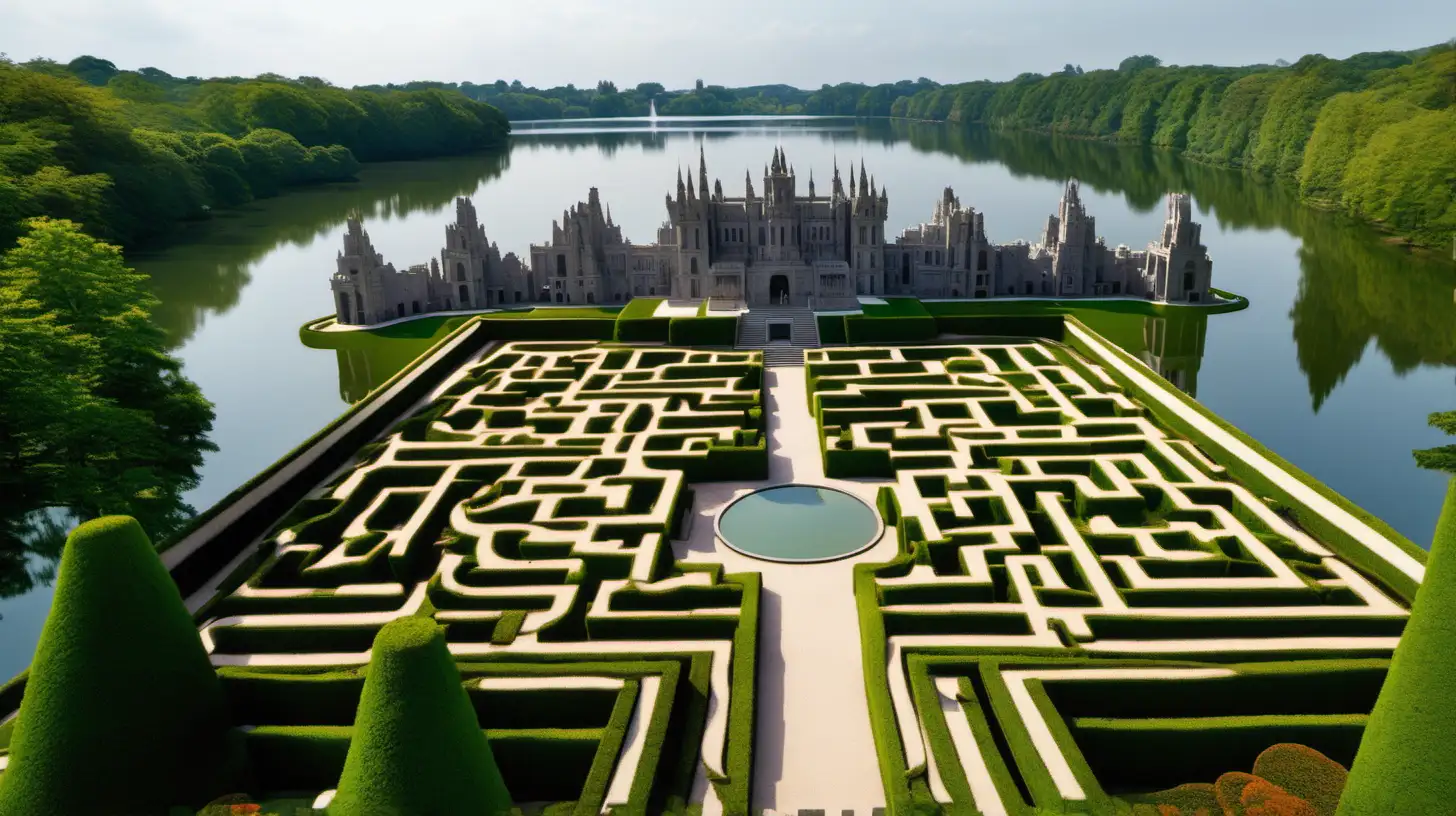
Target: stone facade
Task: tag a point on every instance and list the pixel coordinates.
(470, 273)
(780, 247)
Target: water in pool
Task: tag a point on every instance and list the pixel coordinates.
(799, 523)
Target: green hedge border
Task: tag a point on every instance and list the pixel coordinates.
(1336, 538)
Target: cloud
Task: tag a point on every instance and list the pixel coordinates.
(805, 42)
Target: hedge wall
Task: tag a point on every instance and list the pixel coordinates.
(566, 328)
(636, 324)
(703, 331)
(831, 328)
(1347, 546)
(1047, 326)
(907, 329)
(361, 423)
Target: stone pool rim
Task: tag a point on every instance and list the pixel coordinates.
(873, 540)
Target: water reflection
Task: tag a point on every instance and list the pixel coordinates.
(1354, 287)
(211, 265)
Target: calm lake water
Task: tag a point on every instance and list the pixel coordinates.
(1348, 345)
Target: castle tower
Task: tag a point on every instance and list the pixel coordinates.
(781, 212)
(466, 262)
(358, 284)
(1178, 267)
(868, 212)
(1071, 237)
(688, 212)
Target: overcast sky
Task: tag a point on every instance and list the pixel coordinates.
(745, 42)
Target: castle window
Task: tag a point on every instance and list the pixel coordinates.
(781, 236)
(761, 240)
(459, 271)
(927, 256)
(905, 269)
(872, 266)
(561, 266)
(697, 238)
(416, 305)
(862, 235)
(874, 235)
(693, 266)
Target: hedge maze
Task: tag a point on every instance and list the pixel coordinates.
(1086, 610)
(529, 508)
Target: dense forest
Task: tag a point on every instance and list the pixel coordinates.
(521, 102)
(1374, 135)
(129, 154)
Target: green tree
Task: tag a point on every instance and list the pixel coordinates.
(1444, 457)
(108, 423)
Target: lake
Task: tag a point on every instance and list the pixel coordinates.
(1348, 343)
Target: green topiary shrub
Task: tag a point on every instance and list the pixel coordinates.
(123, 712)
(417, 747)
(1403, 767)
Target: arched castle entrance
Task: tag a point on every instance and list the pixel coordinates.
(778, 289)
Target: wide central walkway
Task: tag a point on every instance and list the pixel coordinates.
(812, 746)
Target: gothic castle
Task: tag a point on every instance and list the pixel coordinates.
(778, 248)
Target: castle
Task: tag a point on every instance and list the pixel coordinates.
(777, 248)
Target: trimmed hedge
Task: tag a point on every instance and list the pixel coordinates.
(417, 747)
(734, 792)
(375, 414)
(831, 328)
(1347, 547)
(1403, 766)
(907, 329)
(703, 331)
(635, 323)
(1050, 327)
(122, 706)
(542, 328)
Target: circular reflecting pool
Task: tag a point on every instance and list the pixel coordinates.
(799, 523)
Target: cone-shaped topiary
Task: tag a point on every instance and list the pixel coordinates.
(417, 748)
(123, 713)
(1404, 765)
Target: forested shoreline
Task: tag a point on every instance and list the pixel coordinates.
(1373, 135)
(131, 154)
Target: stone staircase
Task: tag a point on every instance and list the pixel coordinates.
(803, 334)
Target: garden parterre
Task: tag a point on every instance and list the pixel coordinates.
(528, 507)
(1083, 604)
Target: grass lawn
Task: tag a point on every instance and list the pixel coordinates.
(896, 307)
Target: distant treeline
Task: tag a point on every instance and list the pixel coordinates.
(129, 154)
(1374, 135)
(520, 102)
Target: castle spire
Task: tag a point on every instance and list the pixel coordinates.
(811, 182)
(702, 169)
(863, 178)
(851, 184)
(691, 194)
(748, 184)
(679, 181)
